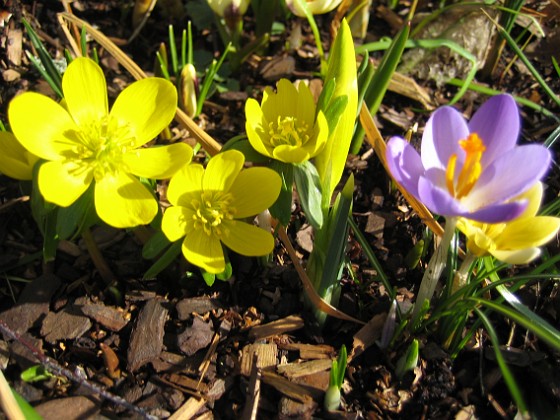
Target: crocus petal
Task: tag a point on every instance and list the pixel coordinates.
(42, 126)
(254, 190)
(497, 213)
(534, 196)
(122, 201)
(204, 251)
(159, 162)
(222, 170)
(404, 164)
(246, 239)
(441, 137)
(184, 184)
(147, 106)
(177, 222)
(497, 123)
(510, 175)
(85, 91)
(437, 199)
(520, 256)
(528, 232)
(62, 183)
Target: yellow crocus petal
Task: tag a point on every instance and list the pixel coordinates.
(63, 183)
(222, 170)
(254, 190)
(158, 162)
(85, 91)
(147, 107)
(15, 161)
(184, 183)
(122, 201)
(528, 232)
(204, 251)
(246, 239)
(42, 126)
(177, 222)
(520, 256)
(534, 197)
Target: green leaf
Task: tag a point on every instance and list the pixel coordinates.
(282, 208)
(164, 261)
(81, 214)
(26, 409)
(155, 245)
(309, 192)
(242, 144)
(408, 361)
(36, 373)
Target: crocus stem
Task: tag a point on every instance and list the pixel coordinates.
(435, 267)
(461, 275)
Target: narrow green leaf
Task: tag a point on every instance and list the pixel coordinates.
(164, 261)
(309, 192)
(282, 208)
(407, 361)
(26, 409)
(155, 245)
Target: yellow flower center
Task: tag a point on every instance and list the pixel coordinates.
(213, 208)
(473, 147)
(101, 145)
(288, 131)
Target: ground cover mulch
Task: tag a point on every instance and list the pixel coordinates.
(249, 347)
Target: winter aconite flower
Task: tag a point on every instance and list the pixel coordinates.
(84, 143)
(514, 242)
(15, 161)
(209, 207)
(474, 169)
(316, 7)
(284, 126)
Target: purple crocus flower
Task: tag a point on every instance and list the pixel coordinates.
(473, 169)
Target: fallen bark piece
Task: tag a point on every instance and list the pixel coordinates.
(367, 335)
(64, 325)
(112, 318)
(280, 326)
(310, 351)
(199, 305)
(68, 408)
(196, 337)
(146, 340)
(297, 370)
(267, 354)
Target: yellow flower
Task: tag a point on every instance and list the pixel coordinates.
(513, 242)
(84, 143)
(229, 7)
(15, 161)
(316, 7)
(207, 206)
(284, 127)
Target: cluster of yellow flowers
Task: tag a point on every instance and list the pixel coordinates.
(81, 143)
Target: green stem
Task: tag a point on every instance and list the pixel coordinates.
(435, 267)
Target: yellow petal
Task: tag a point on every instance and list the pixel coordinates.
(15, 161)
(42, 126)
(222, 170)
(122, 201)
(520, 256)
(254, 190)
(534, 197)
(159, 162)
(290, 154)
(254, 127)
(85, 91)
(148, 106)
(63, 183)
(282, 103)
(528, 232)
(305, 105)
(246, 239)
(204, 251)
(177, 222)
(186, 182)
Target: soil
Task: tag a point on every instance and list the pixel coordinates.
(249, 347)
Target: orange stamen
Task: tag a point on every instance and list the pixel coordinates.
(473, 147)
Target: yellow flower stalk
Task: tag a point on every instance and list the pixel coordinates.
(209, 207)
(283, 126)
(15, 161)
(514, 242)
(84, 143)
